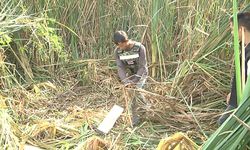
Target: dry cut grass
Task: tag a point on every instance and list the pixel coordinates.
(65, 117)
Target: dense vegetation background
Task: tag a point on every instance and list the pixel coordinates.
(52, 50)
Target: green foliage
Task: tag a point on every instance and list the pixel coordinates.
(47, 42)
(234, 132)
(186, 41)
(29, 42)
(44, 44)
(236, 52)
(5, 39)
(171, 30)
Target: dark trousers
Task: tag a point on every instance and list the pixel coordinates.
(233, 98)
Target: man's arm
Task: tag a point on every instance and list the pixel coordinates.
(121, 68)
(248, 67)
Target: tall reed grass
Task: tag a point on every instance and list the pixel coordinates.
(187, 44)
(173, 31)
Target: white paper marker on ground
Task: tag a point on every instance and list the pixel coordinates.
(30, 147)
(109, 121)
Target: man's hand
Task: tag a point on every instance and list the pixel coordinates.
(129, 84)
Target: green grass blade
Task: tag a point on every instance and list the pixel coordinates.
(236, 52)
